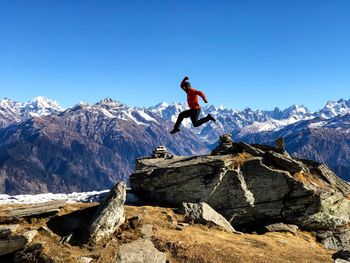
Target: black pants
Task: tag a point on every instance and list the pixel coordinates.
(194, 114)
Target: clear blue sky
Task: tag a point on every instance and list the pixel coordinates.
(247, 53)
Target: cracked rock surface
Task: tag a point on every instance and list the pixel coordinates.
(270, 186)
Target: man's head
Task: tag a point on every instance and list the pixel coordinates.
(187, 85)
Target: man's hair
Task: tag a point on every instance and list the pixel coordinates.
(187, 84)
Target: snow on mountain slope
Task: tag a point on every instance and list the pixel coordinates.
(228, 120)
(14, 111)
(81, 197)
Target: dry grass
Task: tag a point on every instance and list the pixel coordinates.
(310, 179)
(195, 243)
(241, 158)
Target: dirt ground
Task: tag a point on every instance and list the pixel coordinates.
(192, 243)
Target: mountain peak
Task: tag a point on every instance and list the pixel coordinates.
(107, 101)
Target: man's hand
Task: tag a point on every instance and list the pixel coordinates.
(186, 78)
(206, 101)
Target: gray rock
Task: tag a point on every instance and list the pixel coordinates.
(5, 233)
(30, 235)
(46, 230)
(244, 191)
(342, 254)
(12, 228)
(66, 239)
(225, 145)
(12, 244)
(140, 251)
(202, 213)
(147, 231)
(281, 227)
(339, 260)
(85, 260)
(33, 210)
(109, 215)
(338, 239)
(7, 230)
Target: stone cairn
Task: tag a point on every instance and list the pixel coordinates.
(225, 145)
(160, 152)
(280, 143)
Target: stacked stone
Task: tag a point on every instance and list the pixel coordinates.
(225, 145)
(280, 144)
(160, 152)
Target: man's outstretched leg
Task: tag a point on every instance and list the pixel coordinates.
(196, 122)
(182, 115)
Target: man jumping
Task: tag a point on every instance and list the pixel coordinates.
(195, 109)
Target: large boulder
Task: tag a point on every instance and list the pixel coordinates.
(268, 187)
(109, 215)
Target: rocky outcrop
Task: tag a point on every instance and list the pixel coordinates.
(10, 244)
(281, 227)
(109, 215)
(248, 184)
(202, 213)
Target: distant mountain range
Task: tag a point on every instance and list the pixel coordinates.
(88, 147)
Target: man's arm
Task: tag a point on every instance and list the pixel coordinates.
(202, 95)
(182, 85)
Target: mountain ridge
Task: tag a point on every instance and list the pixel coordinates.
(97, 143)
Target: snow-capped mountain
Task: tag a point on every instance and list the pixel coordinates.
(332, 108)
(14, 111)
(248, 121)
(239, 123)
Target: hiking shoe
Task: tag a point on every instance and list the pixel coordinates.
(175, 130)
(211, 117)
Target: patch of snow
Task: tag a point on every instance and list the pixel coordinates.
(83, 197)
(146, 116)
(107, 113)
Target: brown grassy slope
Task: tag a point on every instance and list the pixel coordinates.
(195, 243)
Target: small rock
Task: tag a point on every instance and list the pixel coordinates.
(169, 218)
(178, 228)
(337, 239)
(12, 244)
(140, 251)
(66, 239)
(280, 143)
(12, 228)
(135, 221)
(147, 231)
(7, 230)
(160, 152)
(46, 230)
(183, 224)
(5, 233)
(202, 213)
(339, 260)
(342, 254)
(30, 235)
(281, 227)
(85, 260)
(36, 246)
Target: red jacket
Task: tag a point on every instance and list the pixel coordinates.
(192, 98)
